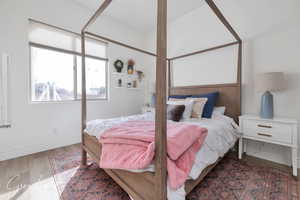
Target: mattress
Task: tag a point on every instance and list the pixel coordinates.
(222, 135)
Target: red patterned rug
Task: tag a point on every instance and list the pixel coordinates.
(232, 179)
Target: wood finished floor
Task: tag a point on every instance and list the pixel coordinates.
(30, 177)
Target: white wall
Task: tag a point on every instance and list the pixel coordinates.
(275, 51)
(214, 67)
(270, 33)
(38, 127)
(197, 30)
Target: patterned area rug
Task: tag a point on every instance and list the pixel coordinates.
(232, 179)
(239, 180)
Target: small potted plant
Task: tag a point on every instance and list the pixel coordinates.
(130, 68)
(140, 75)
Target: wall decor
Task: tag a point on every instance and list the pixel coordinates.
(118, 64)
(120, 84)
(130, 68)
(134, 84)
(140, 75)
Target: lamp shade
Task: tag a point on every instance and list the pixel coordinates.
(272, 81)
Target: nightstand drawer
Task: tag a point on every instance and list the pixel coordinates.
(267, 130)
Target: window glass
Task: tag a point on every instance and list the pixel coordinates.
(52, 75)
(96, 83)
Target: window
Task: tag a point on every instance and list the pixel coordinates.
(96, 81)
(56, 68)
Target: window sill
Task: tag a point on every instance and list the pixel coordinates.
(5, 126)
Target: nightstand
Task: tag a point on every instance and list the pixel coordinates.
(276, 131)
(147, 109)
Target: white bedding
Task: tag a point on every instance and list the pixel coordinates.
(222, 135)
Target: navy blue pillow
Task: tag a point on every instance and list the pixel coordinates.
(210, 104)
(179, 96)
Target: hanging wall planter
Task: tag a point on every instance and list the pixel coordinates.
(140, 75)
(118, 64)
(130, 68)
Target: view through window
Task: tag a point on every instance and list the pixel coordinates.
(56, 76)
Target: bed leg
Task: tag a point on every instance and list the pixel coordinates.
(83, 157)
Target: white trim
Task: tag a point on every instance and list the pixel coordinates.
(4, 88)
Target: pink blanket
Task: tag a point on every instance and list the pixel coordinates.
(130, 145)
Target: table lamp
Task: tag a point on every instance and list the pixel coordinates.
(267, 83)
(152, 88)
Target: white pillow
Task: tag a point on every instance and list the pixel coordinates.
(219, 110)
(188, 103)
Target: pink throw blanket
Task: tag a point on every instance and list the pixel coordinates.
(131, 145)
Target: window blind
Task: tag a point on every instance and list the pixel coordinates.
(48, 35)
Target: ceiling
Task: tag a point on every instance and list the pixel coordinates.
(249, 18)
(141, 14)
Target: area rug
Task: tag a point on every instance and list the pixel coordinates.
(231, 179)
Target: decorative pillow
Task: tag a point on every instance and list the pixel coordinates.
(188, 107)
(210, 104)
(219, 110)
(198, 107)
(175, 112)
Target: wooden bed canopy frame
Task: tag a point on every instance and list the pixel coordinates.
(147, 186)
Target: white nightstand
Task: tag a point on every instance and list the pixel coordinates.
(146, 109)
(276, 131)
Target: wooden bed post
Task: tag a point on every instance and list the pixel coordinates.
(221, 17)
(239, 75)
(169, 76)
(100, 10)
(161, 91)
(83, 99)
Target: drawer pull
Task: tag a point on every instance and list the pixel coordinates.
(264, 126)
(263, 134)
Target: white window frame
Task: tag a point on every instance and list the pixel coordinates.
(75, 67)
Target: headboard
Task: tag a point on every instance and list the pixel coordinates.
(230, 96)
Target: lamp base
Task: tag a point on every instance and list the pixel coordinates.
(266, 109)
(153, 100)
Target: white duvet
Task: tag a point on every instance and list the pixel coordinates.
(222, 135)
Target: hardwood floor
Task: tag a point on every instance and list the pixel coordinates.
(30, 178)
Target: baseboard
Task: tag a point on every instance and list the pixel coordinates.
(273, 159)
(31, 149)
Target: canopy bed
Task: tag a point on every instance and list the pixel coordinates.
(149, 185)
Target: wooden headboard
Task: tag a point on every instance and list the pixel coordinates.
(230, 96)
